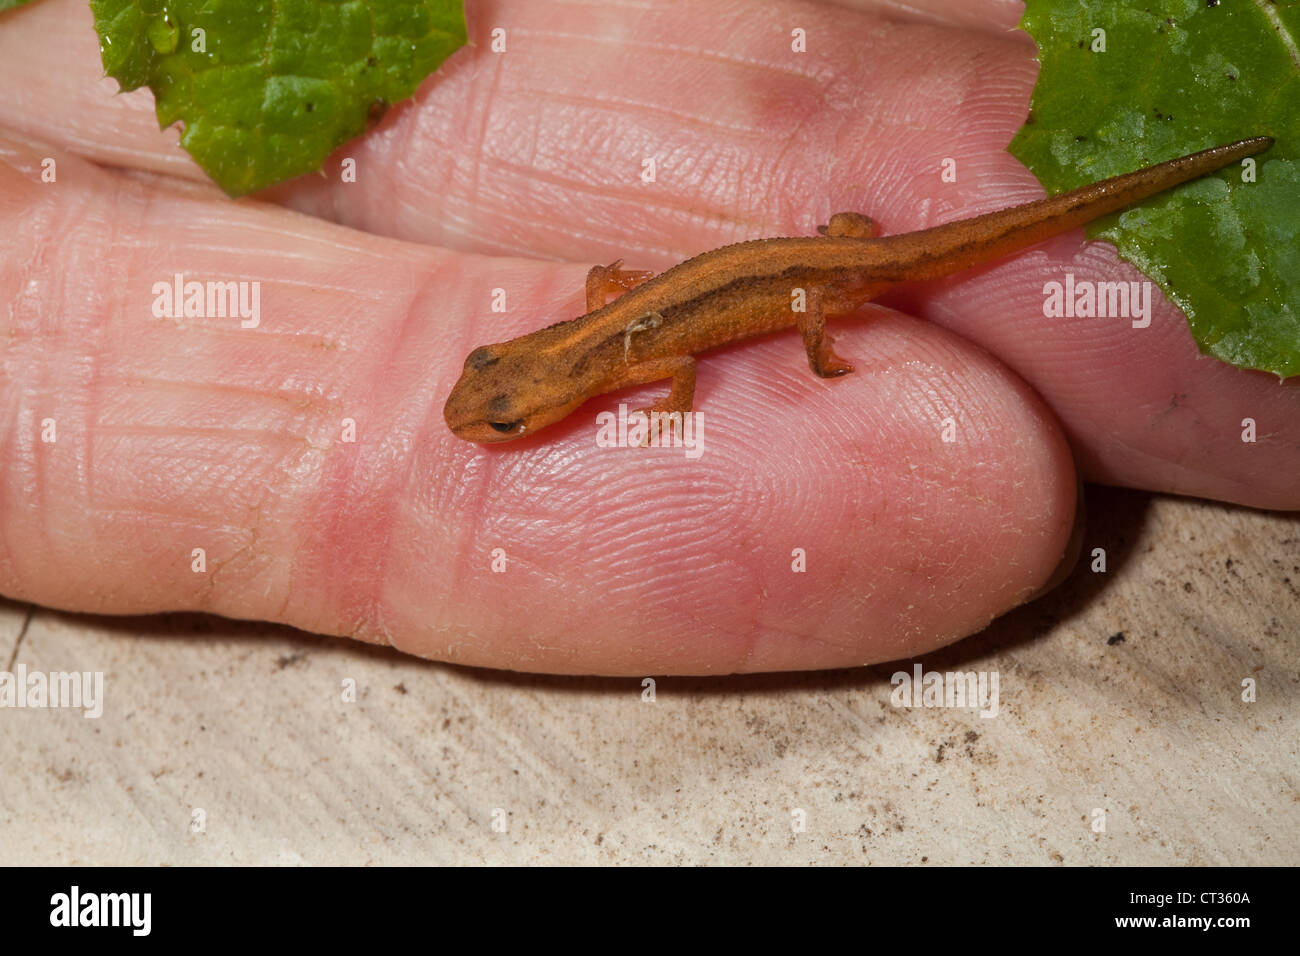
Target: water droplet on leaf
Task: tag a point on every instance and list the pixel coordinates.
(164, 34)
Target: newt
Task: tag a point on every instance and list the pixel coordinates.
(655, 328)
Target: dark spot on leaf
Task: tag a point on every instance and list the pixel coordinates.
(1116, 638)
(308, 107)
(1211, 3)
(376, 112)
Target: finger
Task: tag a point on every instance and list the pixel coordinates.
(992, 16)
(1142, 406)
(446, 168)
(498, 151)
(56, 92)
(152, 462)
(711, 105)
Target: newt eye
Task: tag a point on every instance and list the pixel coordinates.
(504, 427)
(481, 358)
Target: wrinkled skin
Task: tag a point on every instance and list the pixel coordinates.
(177, 434)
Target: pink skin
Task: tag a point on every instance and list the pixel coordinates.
(175, 435)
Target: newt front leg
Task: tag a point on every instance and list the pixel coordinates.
(604, 281)
(680, 398)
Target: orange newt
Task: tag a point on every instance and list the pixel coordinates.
(654, 329)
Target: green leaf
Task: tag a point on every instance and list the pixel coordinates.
(266, 89)
(10, 4)
(1178, 76)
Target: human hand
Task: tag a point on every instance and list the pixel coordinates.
(183, 434)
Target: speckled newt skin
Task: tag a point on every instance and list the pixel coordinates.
(655, 328)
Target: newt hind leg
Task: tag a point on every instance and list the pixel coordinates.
(812, 326)
(812, 321)
(853, 225)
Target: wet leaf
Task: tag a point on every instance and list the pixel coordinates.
(266, 89)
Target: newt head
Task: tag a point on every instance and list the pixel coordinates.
(505, 392)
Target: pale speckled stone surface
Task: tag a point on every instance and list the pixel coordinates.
(245, 721)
